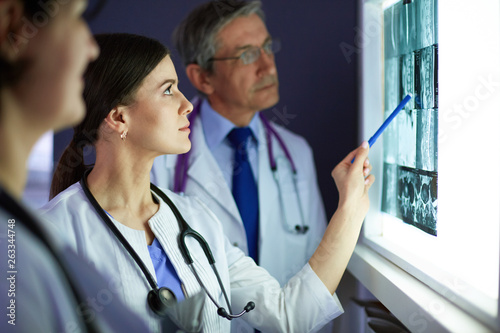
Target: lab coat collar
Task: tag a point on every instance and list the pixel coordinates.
(201, 160)
(216, 127)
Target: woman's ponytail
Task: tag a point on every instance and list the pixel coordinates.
(70, 167)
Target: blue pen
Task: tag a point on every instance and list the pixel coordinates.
(386, 123)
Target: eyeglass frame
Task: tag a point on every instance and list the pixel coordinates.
(272, 41)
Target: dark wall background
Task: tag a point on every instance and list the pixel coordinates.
(318, 85)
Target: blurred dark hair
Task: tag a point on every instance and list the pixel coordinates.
(111, 80)
(38, 13)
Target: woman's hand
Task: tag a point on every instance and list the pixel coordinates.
(353, 180)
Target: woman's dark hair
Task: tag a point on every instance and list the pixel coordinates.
(36, 14)
(111, 80)
(10, 72)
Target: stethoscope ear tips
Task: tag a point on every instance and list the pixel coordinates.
(160, 300)
(250, 306)
(223, 313)
(301, 229)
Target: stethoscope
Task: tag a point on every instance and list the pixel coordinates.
(182, 165)
(161, 299)
(21, 215)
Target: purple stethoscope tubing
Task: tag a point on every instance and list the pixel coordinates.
(182, 161)
(270, 130)
(181, 166)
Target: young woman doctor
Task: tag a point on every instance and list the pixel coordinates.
(136, 113)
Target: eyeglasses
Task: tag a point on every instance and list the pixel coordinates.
(252, 54)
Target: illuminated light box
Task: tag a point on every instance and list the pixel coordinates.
(435, 206)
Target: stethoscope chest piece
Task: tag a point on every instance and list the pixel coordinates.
(160, 300)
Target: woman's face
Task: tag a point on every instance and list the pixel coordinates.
(158, 116)
(58, 50)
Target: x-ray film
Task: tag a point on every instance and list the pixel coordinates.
(411, 195)
(390, 189)
(409, 190)
(426, 85)
(427, 135)
(408, 78)
(392, 97)
(417, 198)
(426, 17)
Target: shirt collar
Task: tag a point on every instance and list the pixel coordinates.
(216, 127)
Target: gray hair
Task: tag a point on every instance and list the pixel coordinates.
(196, 37)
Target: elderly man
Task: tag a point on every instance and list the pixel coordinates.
(257, 177)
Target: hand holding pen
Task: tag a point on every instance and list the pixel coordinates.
(386, 123)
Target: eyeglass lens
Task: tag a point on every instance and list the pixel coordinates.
(251, 55)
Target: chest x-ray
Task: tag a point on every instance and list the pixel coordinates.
(410, 142)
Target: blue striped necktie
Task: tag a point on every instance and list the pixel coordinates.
(245, 189)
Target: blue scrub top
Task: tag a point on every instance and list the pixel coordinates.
(166, 276)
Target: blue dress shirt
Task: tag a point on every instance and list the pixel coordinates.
(216, 129)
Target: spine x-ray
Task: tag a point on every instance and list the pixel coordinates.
(410, 142)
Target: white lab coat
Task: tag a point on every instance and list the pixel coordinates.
(281, 253)
(303, 305)
(40, 292)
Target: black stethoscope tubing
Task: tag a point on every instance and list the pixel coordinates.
(185, 231)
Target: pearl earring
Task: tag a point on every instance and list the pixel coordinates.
(123, 136)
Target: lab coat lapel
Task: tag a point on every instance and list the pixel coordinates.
(211, 183)
(268, 193)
